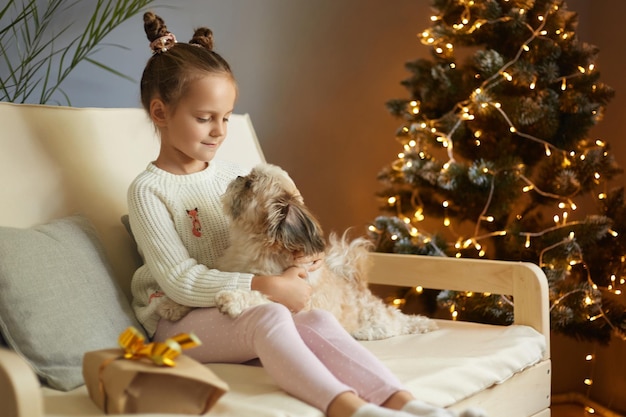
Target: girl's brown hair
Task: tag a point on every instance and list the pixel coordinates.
(169, 71)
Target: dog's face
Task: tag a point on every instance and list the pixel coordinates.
(266, 205)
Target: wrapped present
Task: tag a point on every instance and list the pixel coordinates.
(150, 378)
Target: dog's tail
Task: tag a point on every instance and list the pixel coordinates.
(348, 258)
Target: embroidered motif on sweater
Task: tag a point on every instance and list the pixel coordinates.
(196, 227)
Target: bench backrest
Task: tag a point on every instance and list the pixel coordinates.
(57, 161)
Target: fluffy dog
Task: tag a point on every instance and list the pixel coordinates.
(272, 230)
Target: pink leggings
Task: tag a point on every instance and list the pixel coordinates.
(309, 354)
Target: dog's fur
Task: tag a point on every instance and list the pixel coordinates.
(271, 230)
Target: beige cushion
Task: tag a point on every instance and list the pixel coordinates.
(440, 367)
(58, 298)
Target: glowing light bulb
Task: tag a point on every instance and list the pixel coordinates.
(548, 151)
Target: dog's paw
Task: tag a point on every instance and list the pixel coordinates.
(171, 310)
(229, 303)
(420, 324)
(234, 302)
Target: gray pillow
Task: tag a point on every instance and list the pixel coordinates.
(58, 298)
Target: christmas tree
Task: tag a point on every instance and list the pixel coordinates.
(496, 159)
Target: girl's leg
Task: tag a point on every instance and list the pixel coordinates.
(346, 358)
(267, 332)
(357, 367)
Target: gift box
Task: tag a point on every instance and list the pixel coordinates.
(146, 380)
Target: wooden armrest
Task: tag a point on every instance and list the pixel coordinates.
(20, 392)
(525, 281)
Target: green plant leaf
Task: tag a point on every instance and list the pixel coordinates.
(38, 59)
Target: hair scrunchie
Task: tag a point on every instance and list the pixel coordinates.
(163, 43)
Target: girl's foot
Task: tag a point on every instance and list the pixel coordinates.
(422, 409)
(372, 410)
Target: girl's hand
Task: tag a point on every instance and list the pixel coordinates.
(289, 289)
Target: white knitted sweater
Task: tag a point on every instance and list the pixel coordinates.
(181, 230)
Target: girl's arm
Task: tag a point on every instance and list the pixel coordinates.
(180, 276)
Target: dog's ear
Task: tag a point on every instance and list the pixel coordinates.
(294, 227)
(232, 200)
(233, 207)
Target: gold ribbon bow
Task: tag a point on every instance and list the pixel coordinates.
(161, 353)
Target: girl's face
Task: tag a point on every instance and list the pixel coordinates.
(194, 131)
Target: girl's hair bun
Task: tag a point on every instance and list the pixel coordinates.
(154, 26)
(203, 37)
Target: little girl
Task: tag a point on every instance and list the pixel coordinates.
(175, 213)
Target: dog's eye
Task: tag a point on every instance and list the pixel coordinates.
(248, 183)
